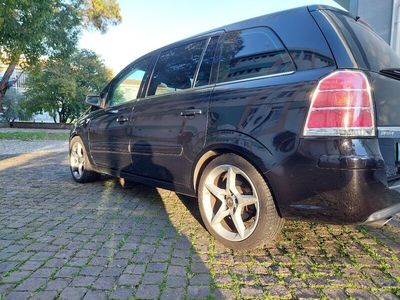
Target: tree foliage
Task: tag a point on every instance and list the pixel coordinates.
(30, 29)
(59, 86)
(100, 14)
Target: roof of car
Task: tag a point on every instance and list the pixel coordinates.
(257, 20)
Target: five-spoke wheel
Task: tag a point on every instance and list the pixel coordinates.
(77, 160)
(236, 204)
(230, 202)
(80, 166)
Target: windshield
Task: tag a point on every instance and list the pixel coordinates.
(370, 51)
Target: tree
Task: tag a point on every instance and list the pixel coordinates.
(59, 86)
(12, 108)
(30, 30)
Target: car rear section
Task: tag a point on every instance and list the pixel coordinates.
(350, 142)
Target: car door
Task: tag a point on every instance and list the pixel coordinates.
(170, 123)
(110, 128)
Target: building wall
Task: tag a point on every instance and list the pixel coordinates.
(19, 88)
(381, 15)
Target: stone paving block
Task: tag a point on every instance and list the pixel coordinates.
(91, 271)
(15, 277)
(129, 280)
(57, 284)
(307, 293)
(360, 294)
(157, 267)
(146, 291)
(45, 295)
(251, 292)
(83, 281)
(173, 293)
(220, 294)
(135, 269)
(198, 292)
(68, 272)
(200, 279)
(104, 283)
(44, 272)
(73, 293)
(7, 266)
(95, 295)
(153, 278)
(121, 293)
(335, 293)
(176, 271)
(31, 284)
(17, 295)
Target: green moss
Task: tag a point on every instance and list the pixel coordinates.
(39, 135)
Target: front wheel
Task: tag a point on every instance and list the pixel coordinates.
(236, 204)
(80, 166)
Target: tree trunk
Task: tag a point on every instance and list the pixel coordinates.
(4, 82)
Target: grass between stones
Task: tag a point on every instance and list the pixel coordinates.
(29, 136)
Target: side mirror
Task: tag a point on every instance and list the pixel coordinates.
(93, 100)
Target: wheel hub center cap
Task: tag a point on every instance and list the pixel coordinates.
(230, 202)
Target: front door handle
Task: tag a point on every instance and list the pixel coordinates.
(191, 112)
(122, 119)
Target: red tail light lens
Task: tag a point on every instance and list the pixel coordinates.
(341, 106)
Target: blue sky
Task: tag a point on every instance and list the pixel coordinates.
(150, 24)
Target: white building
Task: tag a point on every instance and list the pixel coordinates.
(18, 87)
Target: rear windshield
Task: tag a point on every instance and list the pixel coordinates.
(369, 49)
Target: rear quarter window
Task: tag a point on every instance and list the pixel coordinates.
(370, 51)
(252, 53)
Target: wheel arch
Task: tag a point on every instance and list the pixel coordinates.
(240, 144)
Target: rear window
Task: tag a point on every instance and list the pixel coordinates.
(369, 49)
(252, 53)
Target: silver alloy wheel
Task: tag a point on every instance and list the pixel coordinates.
(77, 160)
(230, 203)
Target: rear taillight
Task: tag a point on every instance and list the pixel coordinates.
(341, 106)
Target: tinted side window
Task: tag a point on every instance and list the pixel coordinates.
(176, 68)
(127, 87)
(251, 53)
(203, 78)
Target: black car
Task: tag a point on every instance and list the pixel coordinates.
(292, 115)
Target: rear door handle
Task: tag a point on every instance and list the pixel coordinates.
(191, 112)
(122, 119)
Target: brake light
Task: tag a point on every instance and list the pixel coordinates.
(341, 106)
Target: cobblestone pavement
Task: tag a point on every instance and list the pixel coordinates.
(60, 239)
(18, 146)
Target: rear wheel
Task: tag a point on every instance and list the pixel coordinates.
(80, 166)
(236, 204)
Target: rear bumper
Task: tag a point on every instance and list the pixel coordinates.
(328, 181)
(383, 214)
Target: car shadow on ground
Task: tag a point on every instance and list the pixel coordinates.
(63, 239)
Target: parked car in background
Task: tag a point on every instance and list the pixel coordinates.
(292, 115)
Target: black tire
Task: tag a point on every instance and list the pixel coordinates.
(269, 222)
(88, 174)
